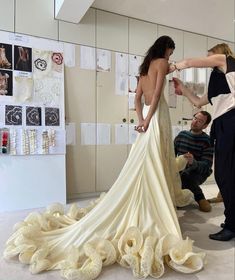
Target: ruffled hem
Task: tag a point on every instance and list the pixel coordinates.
(145, 255)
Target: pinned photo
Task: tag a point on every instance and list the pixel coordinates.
(5, 56)
(5, 82)
(22, 59)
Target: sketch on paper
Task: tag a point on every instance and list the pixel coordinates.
(57, 62)
(103, 60)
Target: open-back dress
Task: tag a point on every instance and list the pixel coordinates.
(134, 223)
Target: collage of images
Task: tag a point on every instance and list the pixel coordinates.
(31, 87)
(22, 61)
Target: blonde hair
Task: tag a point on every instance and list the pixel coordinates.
(221, 49)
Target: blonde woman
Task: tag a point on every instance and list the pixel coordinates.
(221, 95)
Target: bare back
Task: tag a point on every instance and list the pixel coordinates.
(148, 82)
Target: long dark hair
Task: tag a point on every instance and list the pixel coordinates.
(157, 50)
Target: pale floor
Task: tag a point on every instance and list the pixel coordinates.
(195, 224)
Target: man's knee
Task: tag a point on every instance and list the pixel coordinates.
(194, 177)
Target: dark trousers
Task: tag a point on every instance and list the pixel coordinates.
(224, 129)
(191, 179)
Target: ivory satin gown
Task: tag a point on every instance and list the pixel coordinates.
(134, 223)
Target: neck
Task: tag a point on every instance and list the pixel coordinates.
(196, 132)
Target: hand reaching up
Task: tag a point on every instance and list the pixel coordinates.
(178, 84)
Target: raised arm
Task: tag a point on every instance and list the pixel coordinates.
(181, 89)
(216, 60)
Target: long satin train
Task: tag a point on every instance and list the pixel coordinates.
(134, 224)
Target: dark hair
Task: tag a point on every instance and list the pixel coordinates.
(157, 50)
(206, 114)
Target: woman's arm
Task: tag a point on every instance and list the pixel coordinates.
(216, 60)
(138, 104)
(161, 71)
(181, 89)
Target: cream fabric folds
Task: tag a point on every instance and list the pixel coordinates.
(134, 224)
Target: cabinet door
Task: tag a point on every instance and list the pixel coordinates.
(141, 36)
(80, 103)
(177, 36)
(194, 46)
(111, 31)
(132, 121)
(112, 109)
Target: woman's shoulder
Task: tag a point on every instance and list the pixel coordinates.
(160, 63)
(161, 60)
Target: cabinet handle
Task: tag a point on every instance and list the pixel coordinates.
(185, 122)
(124, 120)
(132, 121)
(179, 122)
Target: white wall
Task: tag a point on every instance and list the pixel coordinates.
(211, 17)
(97, 29)
(24, 186)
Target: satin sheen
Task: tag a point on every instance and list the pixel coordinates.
(134, 224)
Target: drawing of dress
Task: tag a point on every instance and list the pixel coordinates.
(134, 223)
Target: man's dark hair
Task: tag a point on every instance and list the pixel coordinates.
(206, 114)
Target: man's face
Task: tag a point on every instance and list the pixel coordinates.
(198, 122)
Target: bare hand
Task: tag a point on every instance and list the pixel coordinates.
(139, 128)
(178, 84)
(171, 68)
(189, 157)
(142, 127)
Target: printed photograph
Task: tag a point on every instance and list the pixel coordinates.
(13, 115)
(5, 56)
(52, 116)
(33, 116)
(6, 82)
(22, 59)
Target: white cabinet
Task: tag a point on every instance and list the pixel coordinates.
(141, 36)
(36, 18)
(111, 31)
(82, 33)
(80, 107)
(7, 15)
(111, 109)
(178, 37)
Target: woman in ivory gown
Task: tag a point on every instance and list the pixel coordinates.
(135, 223)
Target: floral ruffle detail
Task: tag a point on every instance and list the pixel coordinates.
(145, 255)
